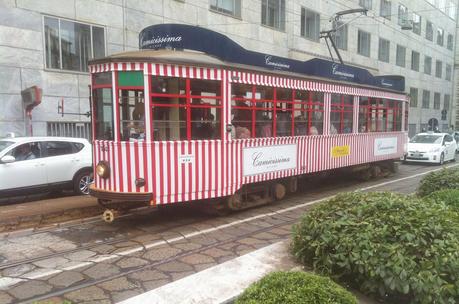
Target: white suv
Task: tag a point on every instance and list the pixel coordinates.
(38, 164)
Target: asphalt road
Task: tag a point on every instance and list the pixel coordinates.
(100, 263)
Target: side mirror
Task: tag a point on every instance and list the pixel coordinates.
(7, 159)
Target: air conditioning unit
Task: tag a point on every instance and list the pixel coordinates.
(406, 24)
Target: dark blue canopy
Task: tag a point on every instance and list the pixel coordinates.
(180, 36)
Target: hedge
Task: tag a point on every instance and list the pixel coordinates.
(438, 180)
(391, 246)
(450, 197)
(295, 287)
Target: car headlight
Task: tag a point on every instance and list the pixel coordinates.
(434, 150)
(103, 169)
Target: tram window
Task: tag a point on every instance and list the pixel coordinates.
(284, 112)
(308, 113)
(103, 78)
(341, 113)
(205, 115)
(364, 114)
(103, 113)
(379, 115)
(166, 89)
(132, 115)
(301, 118)
(263, 106)
(241, 111)
(169, 123)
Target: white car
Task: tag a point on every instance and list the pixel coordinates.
(431, 148)
(42, 164)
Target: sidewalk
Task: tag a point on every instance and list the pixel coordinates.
(47, 212)
(225, 282)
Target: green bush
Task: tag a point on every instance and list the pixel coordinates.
(395, 247)
(438, 180)
(450, 197)
(295, 287)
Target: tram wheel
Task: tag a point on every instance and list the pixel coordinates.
(279, 191)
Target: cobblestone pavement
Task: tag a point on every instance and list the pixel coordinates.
(101, 263)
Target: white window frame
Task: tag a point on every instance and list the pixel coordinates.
(341, 34)
(428, 67)
(415, 61)
(414, 96)
(440, 36)
(429, 31)
(417, 24)
(402, 14)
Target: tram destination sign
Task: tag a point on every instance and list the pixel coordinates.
(259, 160)
(187, 37)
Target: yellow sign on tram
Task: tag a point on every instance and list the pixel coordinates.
(340, 151)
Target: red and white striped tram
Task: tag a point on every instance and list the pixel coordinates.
(175, 126)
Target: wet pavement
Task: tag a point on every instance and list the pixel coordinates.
(101, 263)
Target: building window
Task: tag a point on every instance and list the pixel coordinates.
(365, 3)
(273, 13)
(438, 68)
(427, 65)
(416, 24)
(414, 97)
(446, 102)
(440, 36)
(437, 101)
(425, 99)
(415, 61)
(386, 9)
(363, 45)
(400, 56)
(340, 34)
(429, 31)
(402, 14)
(384, 50)
(310, 24)
(229, 7)
(450, 42)
(448, 72)
(69, 45)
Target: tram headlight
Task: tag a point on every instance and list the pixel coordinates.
(103, 169)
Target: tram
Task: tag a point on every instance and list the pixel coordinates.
(193, 116)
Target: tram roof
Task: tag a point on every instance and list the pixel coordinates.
(189, 57)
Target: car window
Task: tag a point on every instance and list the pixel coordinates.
(26, 151)
(5, 144)
(56, 148)
(449, 138)
(427, 139)
(78, 146)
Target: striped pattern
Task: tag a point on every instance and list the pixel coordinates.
(216, 166)
(182, 171)
(244, 77)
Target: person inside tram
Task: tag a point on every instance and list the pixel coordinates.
(137, 125)
(242, 119)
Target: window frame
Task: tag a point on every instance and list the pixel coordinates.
(280, 14)
(402, 14)
(429, 30)
(417, 25)
(236, 12)
(375, 110)
(385, 5)
(59, 19)
(398, 55)
(360, 49)
(414, 100)
(440, 36)
(437, 101)
(427, 67)
(450, 42)
(438, 68)
(340, 34)
(381, 53)
(366, 4)
(415, 58)
(304, 28)
(425, 101)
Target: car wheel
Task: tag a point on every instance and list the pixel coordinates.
(82, 181)
(442, 159)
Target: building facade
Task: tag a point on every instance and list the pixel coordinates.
(48, 43)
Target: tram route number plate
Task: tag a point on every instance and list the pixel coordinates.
(186, 159)
(259, 160)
